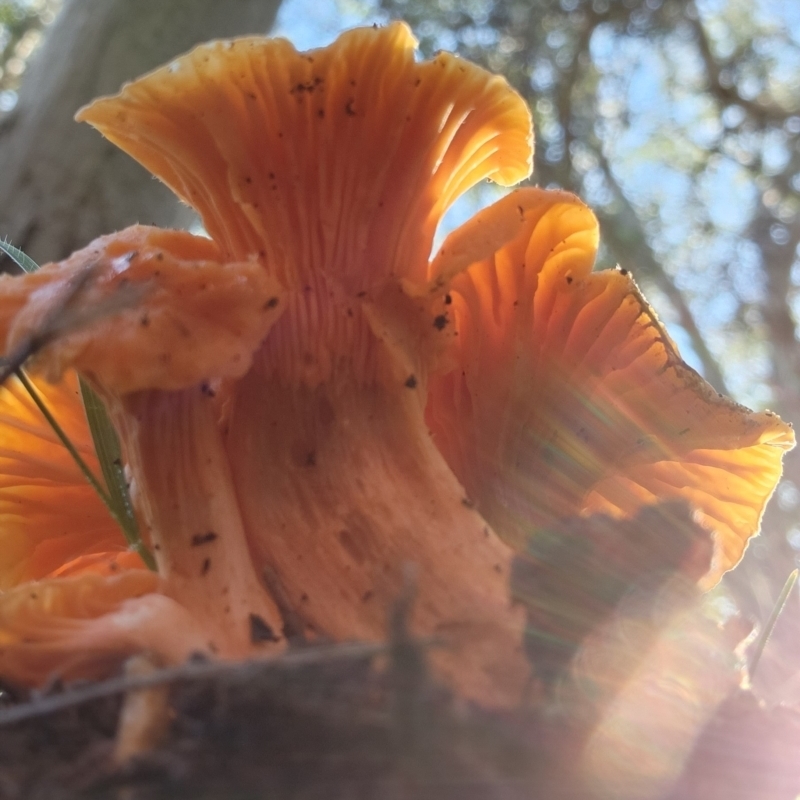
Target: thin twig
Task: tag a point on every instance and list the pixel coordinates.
(198, 671)
(771, 622)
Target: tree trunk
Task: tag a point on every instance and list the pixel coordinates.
(62, 184)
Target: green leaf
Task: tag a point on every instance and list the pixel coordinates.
(109, 453)
(25, 262)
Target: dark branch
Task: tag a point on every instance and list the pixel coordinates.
(727, 95)
(631, 248)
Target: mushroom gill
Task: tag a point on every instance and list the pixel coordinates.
(566, 395)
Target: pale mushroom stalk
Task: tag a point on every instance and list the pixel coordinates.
(350, 490)
(185, 496)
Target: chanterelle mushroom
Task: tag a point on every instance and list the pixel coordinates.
(307, 394)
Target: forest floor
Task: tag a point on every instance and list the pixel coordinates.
(350, 722)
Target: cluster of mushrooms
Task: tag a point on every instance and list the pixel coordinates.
(309, 405)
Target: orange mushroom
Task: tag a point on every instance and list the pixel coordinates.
(568, 396)
(53, 523)
(371, 409)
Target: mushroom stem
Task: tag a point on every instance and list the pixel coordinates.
(183, 490)
(341, 489)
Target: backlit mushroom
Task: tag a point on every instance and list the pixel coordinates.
(309, 395)
(53, 523)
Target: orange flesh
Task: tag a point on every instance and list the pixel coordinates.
(338, 161)
(342, 490)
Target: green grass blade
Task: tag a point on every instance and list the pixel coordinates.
(25, 262)
(59, 431)
(773, 618)
(106, 443)
(109, 454)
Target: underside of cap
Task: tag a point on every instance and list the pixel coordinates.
(341, 159)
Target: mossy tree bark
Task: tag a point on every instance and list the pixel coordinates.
(62, 184)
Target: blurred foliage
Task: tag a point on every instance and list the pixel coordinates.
(676, 122)
(21, 25)
(679, 123)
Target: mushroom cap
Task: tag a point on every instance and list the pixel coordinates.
(84, 626)
(340, 160)
(158, 309)
(52, 521)
(564, 395)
